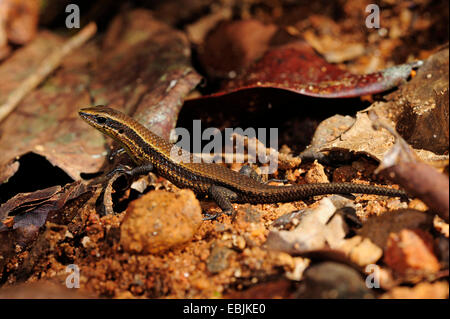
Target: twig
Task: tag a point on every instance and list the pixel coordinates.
(46, 67)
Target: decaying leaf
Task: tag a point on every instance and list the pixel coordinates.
(359, 136)
(28, 209)
(45, 122)
(296, 67)
(333, 49)
(27, 201)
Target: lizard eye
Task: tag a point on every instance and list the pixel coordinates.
(100, 120)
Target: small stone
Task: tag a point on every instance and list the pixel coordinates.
(308, 235)
(362, 251)
(284, 260)
(344, 174)
(300, 265)
(160, 220)
(411, 251)
(238, 242)
(252, 215)
(366, 253)
(201, 283)
(335, 231)
(68, 234)
(417, 204)
(218, 259)
(331, 280)
(378, 228)
(350, 243)
(316, 174)
(85, 241)
(441, 226)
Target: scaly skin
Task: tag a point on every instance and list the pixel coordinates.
(222, 184)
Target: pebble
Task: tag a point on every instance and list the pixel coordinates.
(160, 220)
(316, 174)
(300, 265)
(344, 174)
(85, 241)
(362, 251)
(317, 228)
(366, 253)
(411, 251)
(331, 280)
(378, 228)
(218, 259)
(238, 242)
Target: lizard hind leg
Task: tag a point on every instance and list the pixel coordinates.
(223, 197)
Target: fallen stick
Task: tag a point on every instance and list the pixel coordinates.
(45, 68)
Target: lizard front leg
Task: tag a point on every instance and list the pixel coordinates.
(223, 197)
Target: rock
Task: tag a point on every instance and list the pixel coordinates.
(160, 220)
(366, 253)
(316, 174)
(252, 215)
(424, 290)
(411, 251)
(309, 233)
(362, 251)
(344, 174)
(330, 280)
(317, 228)
(300, 265)
(218, 259)
(378, 228)
(238, 242)
(335, 231)
(285, 220)
(441, 226)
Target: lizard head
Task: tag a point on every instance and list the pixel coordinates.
(106, 120)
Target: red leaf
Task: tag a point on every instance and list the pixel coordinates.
(296, 67)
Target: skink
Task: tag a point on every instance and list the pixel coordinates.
(220, 183)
